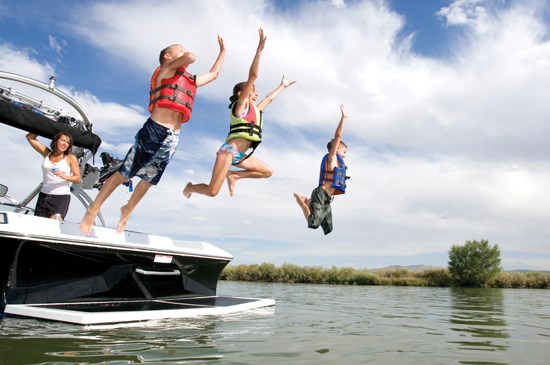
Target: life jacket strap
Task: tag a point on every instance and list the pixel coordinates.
(254, 145)
(252, 129)
(176, 87)
(336, 176)
(173, 98)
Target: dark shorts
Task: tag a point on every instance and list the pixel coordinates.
(48, 205)
(152, 150)
(321, 211)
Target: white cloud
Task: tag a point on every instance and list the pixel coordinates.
(23, 62)
(57, 45)
(466, 12)
(440, 150)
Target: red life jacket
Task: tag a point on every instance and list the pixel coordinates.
(175, 93)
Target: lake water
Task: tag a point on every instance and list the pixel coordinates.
(311, 324)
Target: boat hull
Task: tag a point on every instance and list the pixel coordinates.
(49, 270)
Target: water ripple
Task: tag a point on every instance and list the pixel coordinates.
(310, 324)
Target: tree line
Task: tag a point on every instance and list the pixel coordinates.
(474, 264)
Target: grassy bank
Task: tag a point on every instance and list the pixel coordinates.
(436, 277)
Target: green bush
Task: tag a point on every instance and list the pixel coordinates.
(538, 280)
(436, 277)
(474, 264)
(534, 280)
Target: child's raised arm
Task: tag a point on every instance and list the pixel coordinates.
(252, 75)
(275, 92)
(216, 67)
(338, 132)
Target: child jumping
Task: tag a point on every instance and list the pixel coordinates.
(332, 181)
(172, 94)
(245, 132)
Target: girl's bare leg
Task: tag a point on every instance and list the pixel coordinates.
(253, 169)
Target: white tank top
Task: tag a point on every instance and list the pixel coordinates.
(54, 184)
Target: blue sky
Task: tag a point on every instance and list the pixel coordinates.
(447, 130)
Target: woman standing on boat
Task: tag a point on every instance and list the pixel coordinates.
(59, 170)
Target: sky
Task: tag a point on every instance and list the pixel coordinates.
(447, 132)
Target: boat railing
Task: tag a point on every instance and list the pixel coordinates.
(91, 177)
(18, 207)
(46, 109)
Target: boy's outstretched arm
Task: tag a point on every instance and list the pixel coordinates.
(184, 60)
(275, 92)
(215, 70)
(338, 132)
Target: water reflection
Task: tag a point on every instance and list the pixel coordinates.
(478, 315)
(29, 341)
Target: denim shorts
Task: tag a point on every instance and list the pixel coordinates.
(153, 148)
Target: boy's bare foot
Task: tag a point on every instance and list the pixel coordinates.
(231, 180)
(124, 216)
(303, 203)
(87, 223)
(186, 190)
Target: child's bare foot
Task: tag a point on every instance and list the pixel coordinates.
(303, 203)
(87, 223)
(186, 190)
(231, 180)
(124, 216)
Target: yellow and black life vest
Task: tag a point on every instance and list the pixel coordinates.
(248, 127)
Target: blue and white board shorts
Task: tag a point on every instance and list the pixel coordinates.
(153, 148)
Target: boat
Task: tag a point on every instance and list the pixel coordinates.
(50, 270)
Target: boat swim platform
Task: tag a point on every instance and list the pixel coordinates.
(102, 312)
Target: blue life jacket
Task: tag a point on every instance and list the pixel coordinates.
(337, 176)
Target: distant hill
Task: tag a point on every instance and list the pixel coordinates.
(417, 268)
(414, 268)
